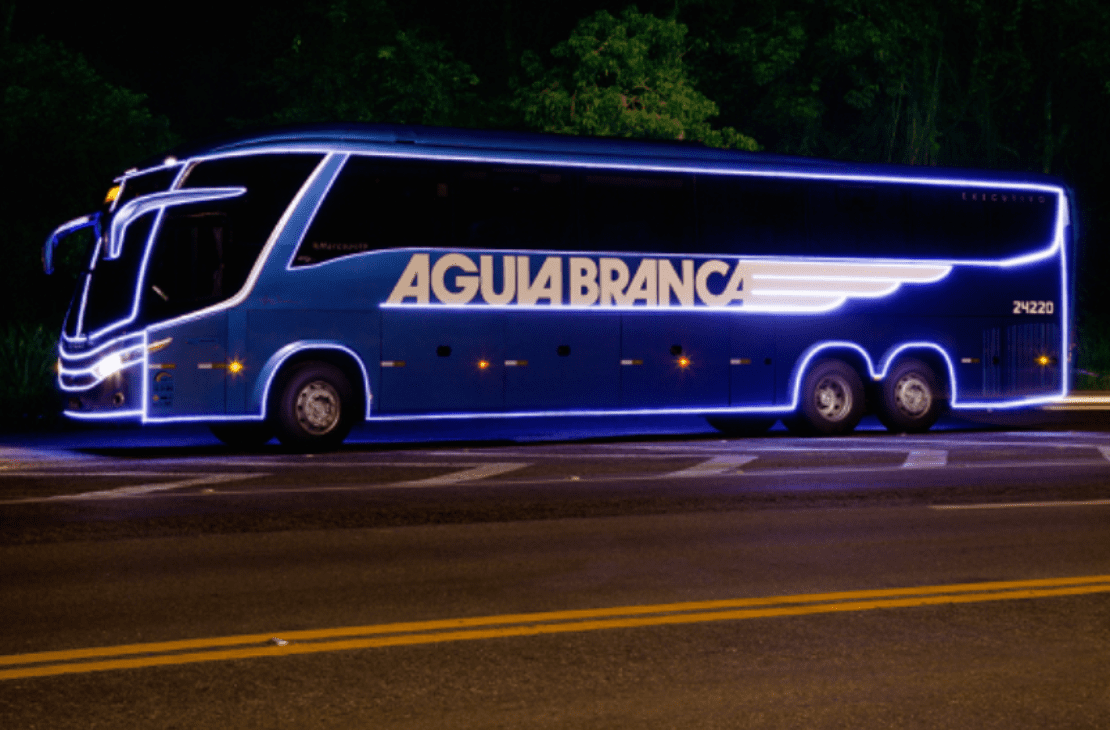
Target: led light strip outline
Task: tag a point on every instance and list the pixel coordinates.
(330, 154)
(1054, 190)
(127, 359)
(262, 389)
(62, 352)
(228, 304)
(148, 245)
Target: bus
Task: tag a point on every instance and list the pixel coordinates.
(298, 282)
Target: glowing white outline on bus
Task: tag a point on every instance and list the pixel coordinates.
(330, 152)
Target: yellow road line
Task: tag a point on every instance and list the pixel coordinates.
(131, 656)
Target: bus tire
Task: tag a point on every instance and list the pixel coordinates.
(248, 435)
(315, 408)
(753, 425)
(831, 401)
(910, 399)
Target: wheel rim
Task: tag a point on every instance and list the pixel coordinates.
(912, 395)
(318, 407)
(833, 398)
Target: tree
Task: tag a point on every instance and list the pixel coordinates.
(622, 77)
(65, 133)
(955, 82)
(351, 62)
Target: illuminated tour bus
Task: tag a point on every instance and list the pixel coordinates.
(299, 282)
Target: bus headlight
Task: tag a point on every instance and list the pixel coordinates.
(107, 366)
(112, 364)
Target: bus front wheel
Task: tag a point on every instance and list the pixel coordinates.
(830, 402)
(911, 400)
(314, 408)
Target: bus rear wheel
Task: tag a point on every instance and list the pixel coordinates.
(314, 408)
(831, 400)
(911, 401)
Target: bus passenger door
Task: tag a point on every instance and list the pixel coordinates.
(188, 369)
(442, 361)
(561, 361)
(674, 360)
(752, 361)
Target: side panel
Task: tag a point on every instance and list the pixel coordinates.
(442, 361)
(752, 361)
(557, 360)
(187, 373)
(674, 360)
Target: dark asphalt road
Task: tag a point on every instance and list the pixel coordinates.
(177, 540)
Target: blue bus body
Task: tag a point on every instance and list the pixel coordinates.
(407, 273)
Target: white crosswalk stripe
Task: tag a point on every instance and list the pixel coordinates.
(132, 491)
(926, 459)
(723, 464)
(465, 475)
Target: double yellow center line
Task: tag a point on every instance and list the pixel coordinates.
(132, 656)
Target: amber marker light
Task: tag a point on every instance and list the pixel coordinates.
(483, 364)
(684, 362)
(235, 367)
(113, 193)
(1043, 360)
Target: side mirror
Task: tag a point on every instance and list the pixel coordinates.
(61, 232)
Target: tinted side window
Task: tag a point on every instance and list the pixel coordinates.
(759, 216)
(767, 216)
(857, 219)
(205, 252)
(379, 204)
(941, 225)
(1020, 223)
(637, 212)
(271, 182)
(510, 208)
(376, 205)
(978, 223)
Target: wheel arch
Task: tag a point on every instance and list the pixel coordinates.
(929, 353)
(854, 355)
(349, 362)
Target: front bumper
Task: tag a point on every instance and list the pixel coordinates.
(105, 382)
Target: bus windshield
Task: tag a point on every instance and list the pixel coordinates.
(201, 253)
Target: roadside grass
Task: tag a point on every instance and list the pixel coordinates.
(28, 398)
(1092, 356)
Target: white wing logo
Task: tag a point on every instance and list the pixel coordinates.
(820, 286)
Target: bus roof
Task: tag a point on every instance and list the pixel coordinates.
(608, 151)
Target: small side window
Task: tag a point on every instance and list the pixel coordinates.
(740, 215)
(376, 205)
(637, 212)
